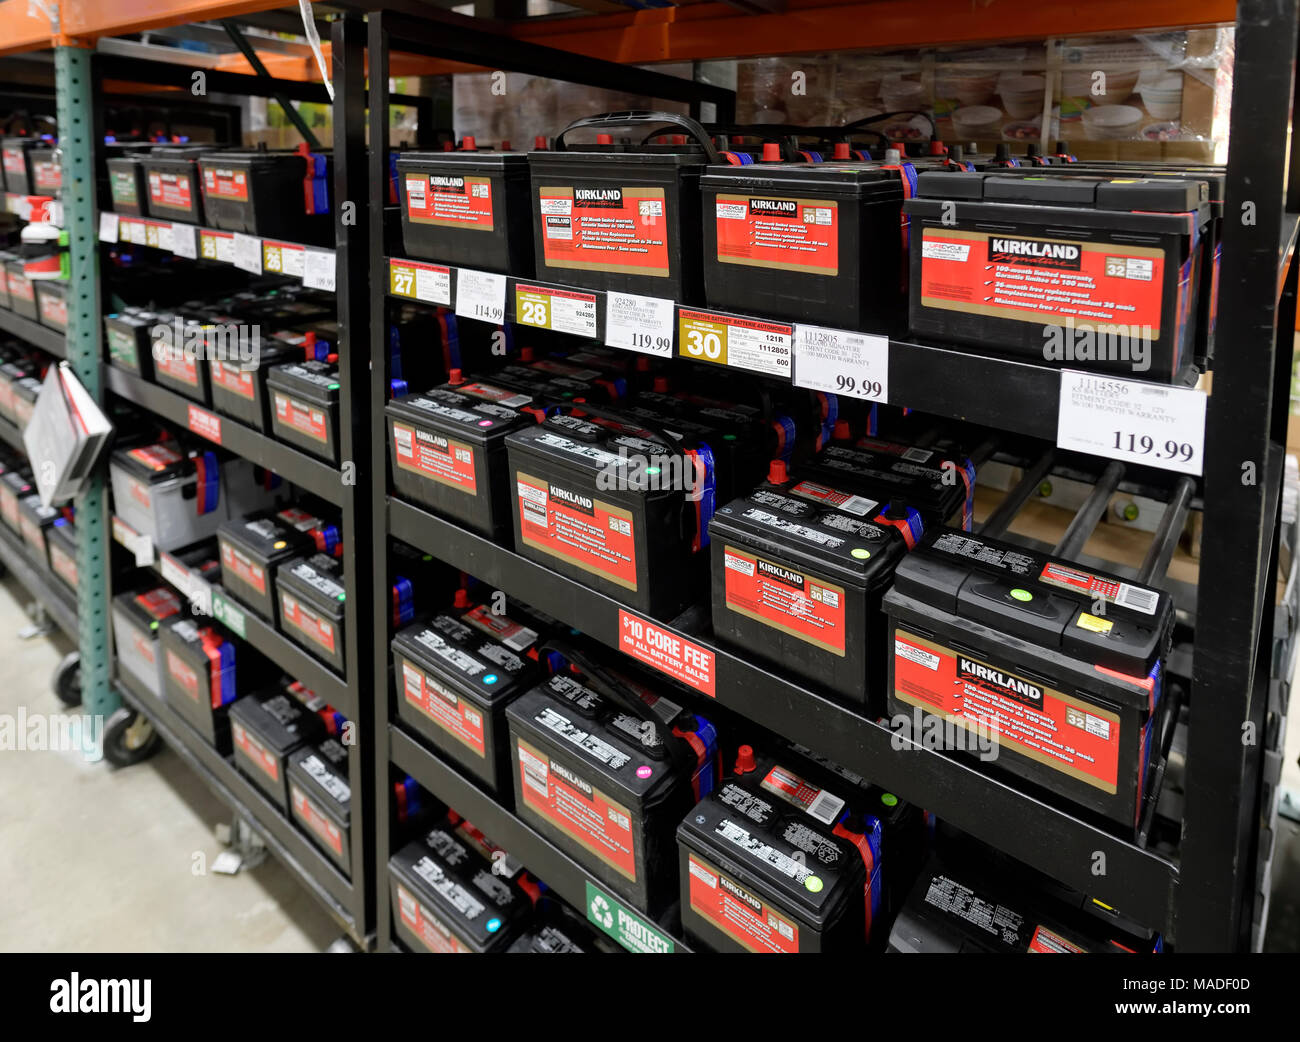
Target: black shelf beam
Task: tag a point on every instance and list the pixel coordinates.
(59, 603)
(51, 341)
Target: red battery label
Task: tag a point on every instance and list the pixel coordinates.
(233, 379)
(316, 629)
(514, 635)
(785, 599)
(1042, 280)
(1123, 594)
(255, 750)
(179, 366)
(20, 286)
(451, 713)
(249, 572)
(170, 191)
(54, 310)
(436, 457)
(750, 922)
(315, 820)
(450, 200)
(595, 536)
(580, 810)
(1046, 942)
(600, 228)
(301, 417)
(428, 927)
(15, 160)
(64, 565)
(226, 183)
(143, 646)
(47, 175)
(1079, 739)
(786, 233)
(179, 670)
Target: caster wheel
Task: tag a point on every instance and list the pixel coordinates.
(129, 738)
(67, 680)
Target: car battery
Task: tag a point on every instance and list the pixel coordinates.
(617, 507)
(22, 294)
(267, 727)
(26, 391)
(239, 391)
(281, 194)
(456, 673)
(557, 929)
(1043, 266)
(177, 365)
(810, 242)
(447, 450)
(127, 185)
(252, 548)
(470, 208)
(781, 858)
(129, 335)
(5, 257)
(46, 170)
(34, 521)
(172, 178)
(958, 907)
(557, 380)
(605, 769)
(137, 620)
(62, 541)
(52, 303)
(304, 398)
(798, 570)
(311, 595)
(10, 374)
(15, 485)
(1061, 666)
(621, 217)
(320, 798)
(200, 678)
(16, 153)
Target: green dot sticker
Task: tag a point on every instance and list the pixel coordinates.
(889, 799)
(860, 553)
(1022, 595)
(814, 884)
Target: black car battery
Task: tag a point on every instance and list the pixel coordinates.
(128, 188)
(10, 374)
(15, 485)
(798, 569)
(252, 548)
(239, 390)
(267, 728)
(557, 929)
(52, 303)
(200, 678)
(26, 391)
(448, 898)
(1036, 266)
(137, 619)
(621, 217)
(320, 798)
(447, 450)
(605, 769)
(179, 346)
(47, 171)
(171, 177)
(613, 504)
(1060, 666)
(62, 541)
(34, 522)
(304, 400)
(469, 208)
(22, 294)
(16, 152)
(810, 242)
(282, 194)
(962, 907)
(456, 673)
(558, 380)
(129, 335)
(311, 595)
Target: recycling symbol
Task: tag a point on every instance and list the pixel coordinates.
(601, 912)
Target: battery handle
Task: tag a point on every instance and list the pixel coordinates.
(639, 117)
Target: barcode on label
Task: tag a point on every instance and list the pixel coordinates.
(914, 455)
(825, 807)
(1138, 599)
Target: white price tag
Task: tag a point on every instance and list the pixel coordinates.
(563, 310)
(1132, 421)
(108, 227)
(318, 270)
(642, 324)
(838, 361)
(184, 241)
(481, 295)
(248, 253)
(143, 550)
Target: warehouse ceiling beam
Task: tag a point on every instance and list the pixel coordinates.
(291, 113)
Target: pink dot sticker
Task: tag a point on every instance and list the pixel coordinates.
(644, 771)
(485, 423)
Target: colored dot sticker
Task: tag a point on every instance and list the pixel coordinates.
(279, 544)
(813, 884)
(490, 678)
(644, 771)
(1022, 595)
(485, 423)
(889, 799)
(860, 553)
(652, 470)
(493, 925)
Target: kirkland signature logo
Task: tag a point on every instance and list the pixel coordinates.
(611, 197)
(94, 995)
(1041, 253)
(578, 783)
(1003, 683)
(583, 503)
(781, 574)
(447, 184)
(740, 894)
(775, 207)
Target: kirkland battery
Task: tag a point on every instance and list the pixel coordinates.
(52, 303)
(267, 728)
(447, 450)
(1065, 254)
(469, 208)
(798, 569)
(15, 485)
(62, 541)
(447, 898)
(239, 389)
(22, 294)
(252, 548)
(986, 632)
(129, 336)
(17, 163)
(177, 366)
(320, 798)
(605, 769)
(47, 171)
(172, 177)
(810, 242)
(304, 398)
(200, 679)
(25, 392)
(311, 596)
(279, 194)
(621, 217)
(456, 673)
(34, 522)
(137, 619)
(617, 507)
(559, 930)
(127, 184)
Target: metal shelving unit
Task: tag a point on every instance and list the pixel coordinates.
(59, 602)
(49, 340)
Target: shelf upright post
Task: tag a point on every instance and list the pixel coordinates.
(75, 99)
